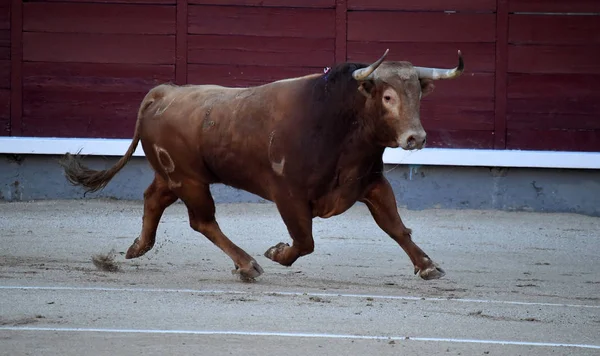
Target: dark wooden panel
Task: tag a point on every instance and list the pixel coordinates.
(554, 140)
(99, 48)
(479, 57)
(262, 21)
(556, 93)
(476, 86)
(242, 76)
(341, 30)
(181, 61)
(16, 50)
(554, 5)
(4, 38)
(269, 3)
(501, 74)
(464, 114)
(80, 114)
(466, 103)
(4, 112)
(554, 29)
(4, 74)
(81, 77)
(554, 59)
(388, 26)
(460, 139)
(550, 120)
(423, 5)
(99, 18)
(269, 51)
(119, 1)
(5, 15)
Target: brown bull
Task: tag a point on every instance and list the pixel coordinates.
(312, 145)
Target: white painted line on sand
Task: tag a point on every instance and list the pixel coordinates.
(309, 294)
(298, 335)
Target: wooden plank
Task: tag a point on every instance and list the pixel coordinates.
(5, 15)
(98, 18)
(423, 5)
(479, 86)
(264, 51)
(4, 38)
(501, 74)
(554, 140)
(479, 57)
(242, 76)
(88, 77)
(80, 114)
(421, 27)
(551, 120)
(556, 93)
(181, 61)
(341, 31)
(460, 139)
(4, 112)
(325, 4)
(99, 48)
(119, 1)
(16, 50)
(554, 59)
(581, 6)
(4, 74)
(464, 114)
(554, 29)
(261, 21)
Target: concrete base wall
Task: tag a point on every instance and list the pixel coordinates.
(36, 177)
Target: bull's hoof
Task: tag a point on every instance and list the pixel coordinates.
(250, 273)
(275, 250)
(431, 272)
(136, 250)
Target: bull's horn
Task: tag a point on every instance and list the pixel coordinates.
(437, 73)
(364, 73)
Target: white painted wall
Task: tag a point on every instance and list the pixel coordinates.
(427, 156)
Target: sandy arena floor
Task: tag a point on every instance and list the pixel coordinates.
(517, 284)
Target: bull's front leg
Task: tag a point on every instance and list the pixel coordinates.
(298, 220)
(382, 205)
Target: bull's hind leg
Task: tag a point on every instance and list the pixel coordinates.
(298, 219)
(201, 211)
(381, 202)
(157, 198)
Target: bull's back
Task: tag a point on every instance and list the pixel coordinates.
(212, 133)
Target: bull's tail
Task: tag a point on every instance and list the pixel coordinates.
(93, 180)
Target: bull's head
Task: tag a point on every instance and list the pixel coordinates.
(394, 91)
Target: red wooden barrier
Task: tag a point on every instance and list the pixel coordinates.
(79, 68)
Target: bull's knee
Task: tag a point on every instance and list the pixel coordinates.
(203, 227)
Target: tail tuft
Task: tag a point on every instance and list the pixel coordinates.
(79, 175)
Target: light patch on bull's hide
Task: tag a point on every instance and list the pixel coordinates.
(166, 162)
(160, 111)
(164, 159)
(276, 166)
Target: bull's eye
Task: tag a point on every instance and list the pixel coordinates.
(387, 98)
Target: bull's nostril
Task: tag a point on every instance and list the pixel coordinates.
(411, 142)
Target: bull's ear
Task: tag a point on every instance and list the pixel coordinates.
(426, 87)
(366, 88)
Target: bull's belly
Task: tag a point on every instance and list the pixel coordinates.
(335, 203)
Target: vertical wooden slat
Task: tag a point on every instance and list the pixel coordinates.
(501, 74)
(181, 61)
(16, 83)
(341, 30)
